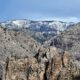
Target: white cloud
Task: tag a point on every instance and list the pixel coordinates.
(70, 19)
(65, 19)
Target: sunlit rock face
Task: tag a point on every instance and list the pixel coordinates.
(43, 67)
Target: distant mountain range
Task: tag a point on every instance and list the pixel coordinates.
(40, 30)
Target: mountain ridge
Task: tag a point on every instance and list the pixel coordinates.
(44, 29)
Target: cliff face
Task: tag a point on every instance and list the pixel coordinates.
(46, 66)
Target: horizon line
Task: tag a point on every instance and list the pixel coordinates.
(65, 19)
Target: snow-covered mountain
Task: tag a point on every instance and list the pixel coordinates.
(43, 30)
(37, 25)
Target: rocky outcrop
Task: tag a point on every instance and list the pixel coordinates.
(45, 66)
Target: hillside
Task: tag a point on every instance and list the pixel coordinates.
(68, 40)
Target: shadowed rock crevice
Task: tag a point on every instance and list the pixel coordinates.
(46, 67)
(76, 78)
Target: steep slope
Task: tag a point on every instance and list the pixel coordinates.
(17, 42)
(68, 40)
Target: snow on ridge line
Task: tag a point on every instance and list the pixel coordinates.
(58, 25)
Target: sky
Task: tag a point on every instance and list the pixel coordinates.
(65, 10)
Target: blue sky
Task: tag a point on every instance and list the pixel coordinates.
(66, 10)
